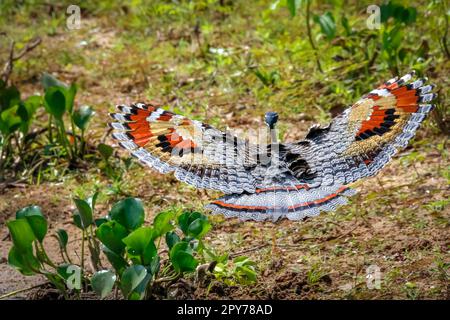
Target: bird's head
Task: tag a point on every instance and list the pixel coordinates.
(271, 118)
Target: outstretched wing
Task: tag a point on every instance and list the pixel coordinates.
(197, 153)
(362, 140)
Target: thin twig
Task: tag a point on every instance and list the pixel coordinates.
(237, 254)
(13, 293)
(9, 65)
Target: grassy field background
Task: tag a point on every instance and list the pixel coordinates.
(226, 63)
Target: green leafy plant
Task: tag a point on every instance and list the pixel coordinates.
(28, 255)
(59, 101)
(240, 270)
(16, 117)
(134, 250)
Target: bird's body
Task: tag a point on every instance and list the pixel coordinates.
(279, 180)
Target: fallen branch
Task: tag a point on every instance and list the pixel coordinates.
(13, 293)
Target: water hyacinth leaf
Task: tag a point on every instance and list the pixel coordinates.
(70, 96)
(139, 292)
(50, 81)
(131, 278)
(103, 282)
(105, 150)
(129, 213)
(36, 220)
(26, 111)
(186, 218)
(327, 25)
(22, 234)
(24, 261)
(184, 262)
(162, 223)
(198, 228)
(117, 261)
(63, 238)
(155, 265)
(140, 243)
(194, 224)
(81, 116)
(99, 221)
(85, 212)
(182, 258)
(111, 234)
(55, 102)
(9, 97)
(171, 239)
(77, 220)
(92, 200)
(293, 6)
(9, 121)
(139, 239)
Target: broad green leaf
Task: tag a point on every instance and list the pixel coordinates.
(111, 234)
(50, 81)
(131, 278)
(198, 228)
(36, 220)
(70, 97)
(99, 221)
(139, 239)
(293, 6)
(327, 25)
(129, 213)
(162, 223)
(22, 234)
(105, 150)
(55, 102)
(9, 97)
(63, 238)
(103, 282)
(117, 261)
(346, 25)
(194, 224)
(186, 218)
(155, 264)
(171, 239)
(139, 292)
(81, 116)
(140, 243)
(24, 261)
(10, 121)
(26, 111)
(184, 262)
(85, 212)
(77, 220)
(92, 200)
(182, 258)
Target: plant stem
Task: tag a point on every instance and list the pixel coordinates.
(311, 42)
(48, 260)
(82, 251)
(50, 132)
(444, 37)
(169, 278)
(68, 257)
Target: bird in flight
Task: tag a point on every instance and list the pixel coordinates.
(274, 180)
